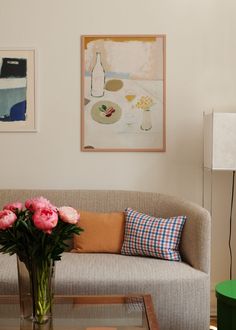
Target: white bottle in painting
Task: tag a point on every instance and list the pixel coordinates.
(97, 78)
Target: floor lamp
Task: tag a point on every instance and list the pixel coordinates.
(220, 151)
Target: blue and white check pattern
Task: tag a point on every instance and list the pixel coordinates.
(149, 236)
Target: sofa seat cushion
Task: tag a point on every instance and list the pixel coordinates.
(100, 273)
(175, 286)
(8, 275)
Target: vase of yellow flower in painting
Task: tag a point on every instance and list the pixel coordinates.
(145, 103)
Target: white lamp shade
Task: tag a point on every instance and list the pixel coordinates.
(220, 141)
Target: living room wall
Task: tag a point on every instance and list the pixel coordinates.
(201, 75)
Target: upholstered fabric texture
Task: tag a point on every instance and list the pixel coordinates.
(195, 242)
(180, 290)
(149, 236)
(180, 293)
(103, 232)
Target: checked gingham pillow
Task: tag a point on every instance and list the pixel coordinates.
(149, 236)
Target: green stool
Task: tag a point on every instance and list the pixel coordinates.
(226, 305)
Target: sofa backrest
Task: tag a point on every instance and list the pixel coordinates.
(195, 242)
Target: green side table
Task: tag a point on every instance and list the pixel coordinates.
(226, 305)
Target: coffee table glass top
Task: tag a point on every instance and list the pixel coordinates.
(86, 313)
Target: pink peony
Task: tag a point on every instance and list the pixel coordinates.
(68, 214)
(17, 206)
(45, 219)
(38, 203)
(7, 218)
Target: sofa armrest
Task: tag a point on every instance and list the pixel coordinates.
(196, 240)
(195, 246)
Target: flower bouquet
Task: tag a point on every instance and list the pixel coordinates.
(37, 235)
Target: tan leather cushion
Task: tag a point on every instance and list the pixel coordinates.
(103, 232)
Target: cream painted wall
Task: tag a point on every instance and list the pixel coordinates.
(201, 75)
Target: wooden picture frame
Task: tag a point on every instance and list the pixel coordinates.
(123, 93)
(17, 90)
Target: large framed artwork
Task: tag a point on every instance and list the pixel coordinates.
(17, 91)
(123, 86)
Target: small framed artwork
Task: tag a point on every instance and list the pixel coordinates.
(123, 83)
(17, 91)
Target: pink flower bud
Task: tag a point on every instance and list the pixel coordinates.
(68, 214)
(7, 218)
(38, 203)
(45, 219)
(17, 206)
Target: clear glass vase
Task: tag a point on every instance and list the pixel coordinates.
(146, 124)
(36, 288)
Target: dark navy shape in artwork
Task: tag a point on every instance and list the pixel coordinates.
(13, 68)
(17, 113)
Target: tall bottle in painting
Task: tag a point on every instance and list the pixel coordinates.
(97, 78)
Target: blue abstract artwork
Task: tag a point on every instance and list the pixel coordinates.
(13, 89)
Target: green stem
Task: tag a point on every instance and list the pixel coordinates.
(41, 290)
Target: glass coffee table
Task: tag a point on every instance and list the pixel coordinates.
(131, 312)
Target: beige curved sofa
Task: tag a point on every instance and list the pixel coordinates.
(180, 290)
